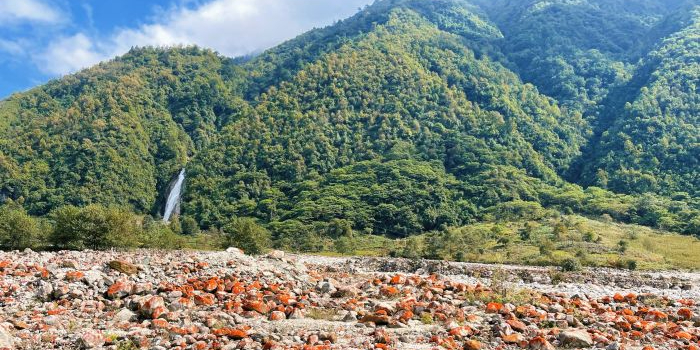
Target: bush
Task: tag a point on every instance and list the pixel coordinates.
(344, 245)
(159, 235)
(570, 265)
(189, 226)
(412, 248)
(622, 246)
(18, 230)
(94, 227)
(631, 264)
(247, 234)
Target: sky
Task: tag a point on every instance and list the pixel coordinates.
(45, 39)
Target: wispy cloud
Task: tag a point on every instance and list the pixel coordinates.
(16, 11)
(14, 48)
(232, 27)
(68, 54)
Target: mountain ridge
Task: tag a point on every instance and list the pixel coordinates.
(431, 97)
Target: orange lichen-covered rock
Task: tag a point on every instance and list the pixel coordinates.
(205, 299)
(472, 345)
(257, 306)
(540, 343)
(232, 333)
(493, 308)
(119, 289)
(682, 335)
(376, 319)
(517, 325)
(389, 291)
(74, 276)
(618, 298)
(398, 279)
(515, 338)
(685, 314)
(461, 332)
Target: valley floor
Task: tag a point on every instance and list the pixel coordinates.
(229, 300)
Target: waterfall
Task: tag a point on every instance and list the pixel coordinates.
(174, 197)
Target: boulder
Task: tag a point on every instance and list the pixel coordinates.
(7, 341)
(90, 339)
(578, 338)
(124, 267)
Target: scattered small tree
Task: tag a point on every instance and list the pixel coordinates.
(18, 230)
(622, 246)
(247, 234)
(570, 265)
(190, 226)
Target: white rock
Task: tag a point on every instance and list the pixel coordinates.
(7, 341)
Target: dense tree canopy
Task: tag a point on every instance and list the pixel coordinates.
(410, 116)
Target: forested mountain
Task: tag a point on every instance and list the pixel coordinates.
(410, 116)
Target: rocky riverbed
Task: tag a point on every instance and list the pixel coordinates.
(229, 300)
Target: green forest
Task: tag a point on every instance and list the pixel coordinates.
(412, 121)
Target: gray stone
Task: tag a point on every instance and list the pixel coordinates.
(576, 338)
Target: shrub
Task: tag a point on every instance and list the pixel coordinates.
(622, 246)
(589, 237)
(94, 227)
(631, 264)
(411, 249)
(570, 264)
(18, 230)
(344, 245)
(247, 234)
(189, 226)
(159, 235)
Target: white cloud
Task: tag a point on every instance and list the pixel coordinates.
(12, 47)
(14, 11)
(231, 27)
(68, 54)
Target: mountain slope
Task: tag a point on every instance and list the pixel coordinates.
(653, 146)
(410, 116)
(112, 134)
(404, 90)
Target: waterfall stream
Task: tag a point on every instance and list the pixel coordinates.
(174, 197)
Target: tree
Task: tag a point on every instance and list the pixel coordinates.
(247, 234)
(94, 227)
(189, 226)
(18, 230)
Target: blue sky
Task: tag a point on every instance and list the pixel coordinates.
(45, 39)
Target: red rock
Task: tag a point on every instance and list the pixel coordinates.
(398, 279)
(205, 299)
(472, 345)
(389, 291)
(493, 308)
(682, 335)
(73, 276)
(124, 267)
(685, 314)
(211, 285)
(540, 343)
(277, 316)
(256, 306)
(517, 325)
(231, 333)
(119, 289)
(152, 307)
(515, 338)
(160, 323)
(376, 319)
(461, 332)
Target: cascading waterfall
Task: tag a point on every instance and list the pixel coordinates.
(174, 197)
